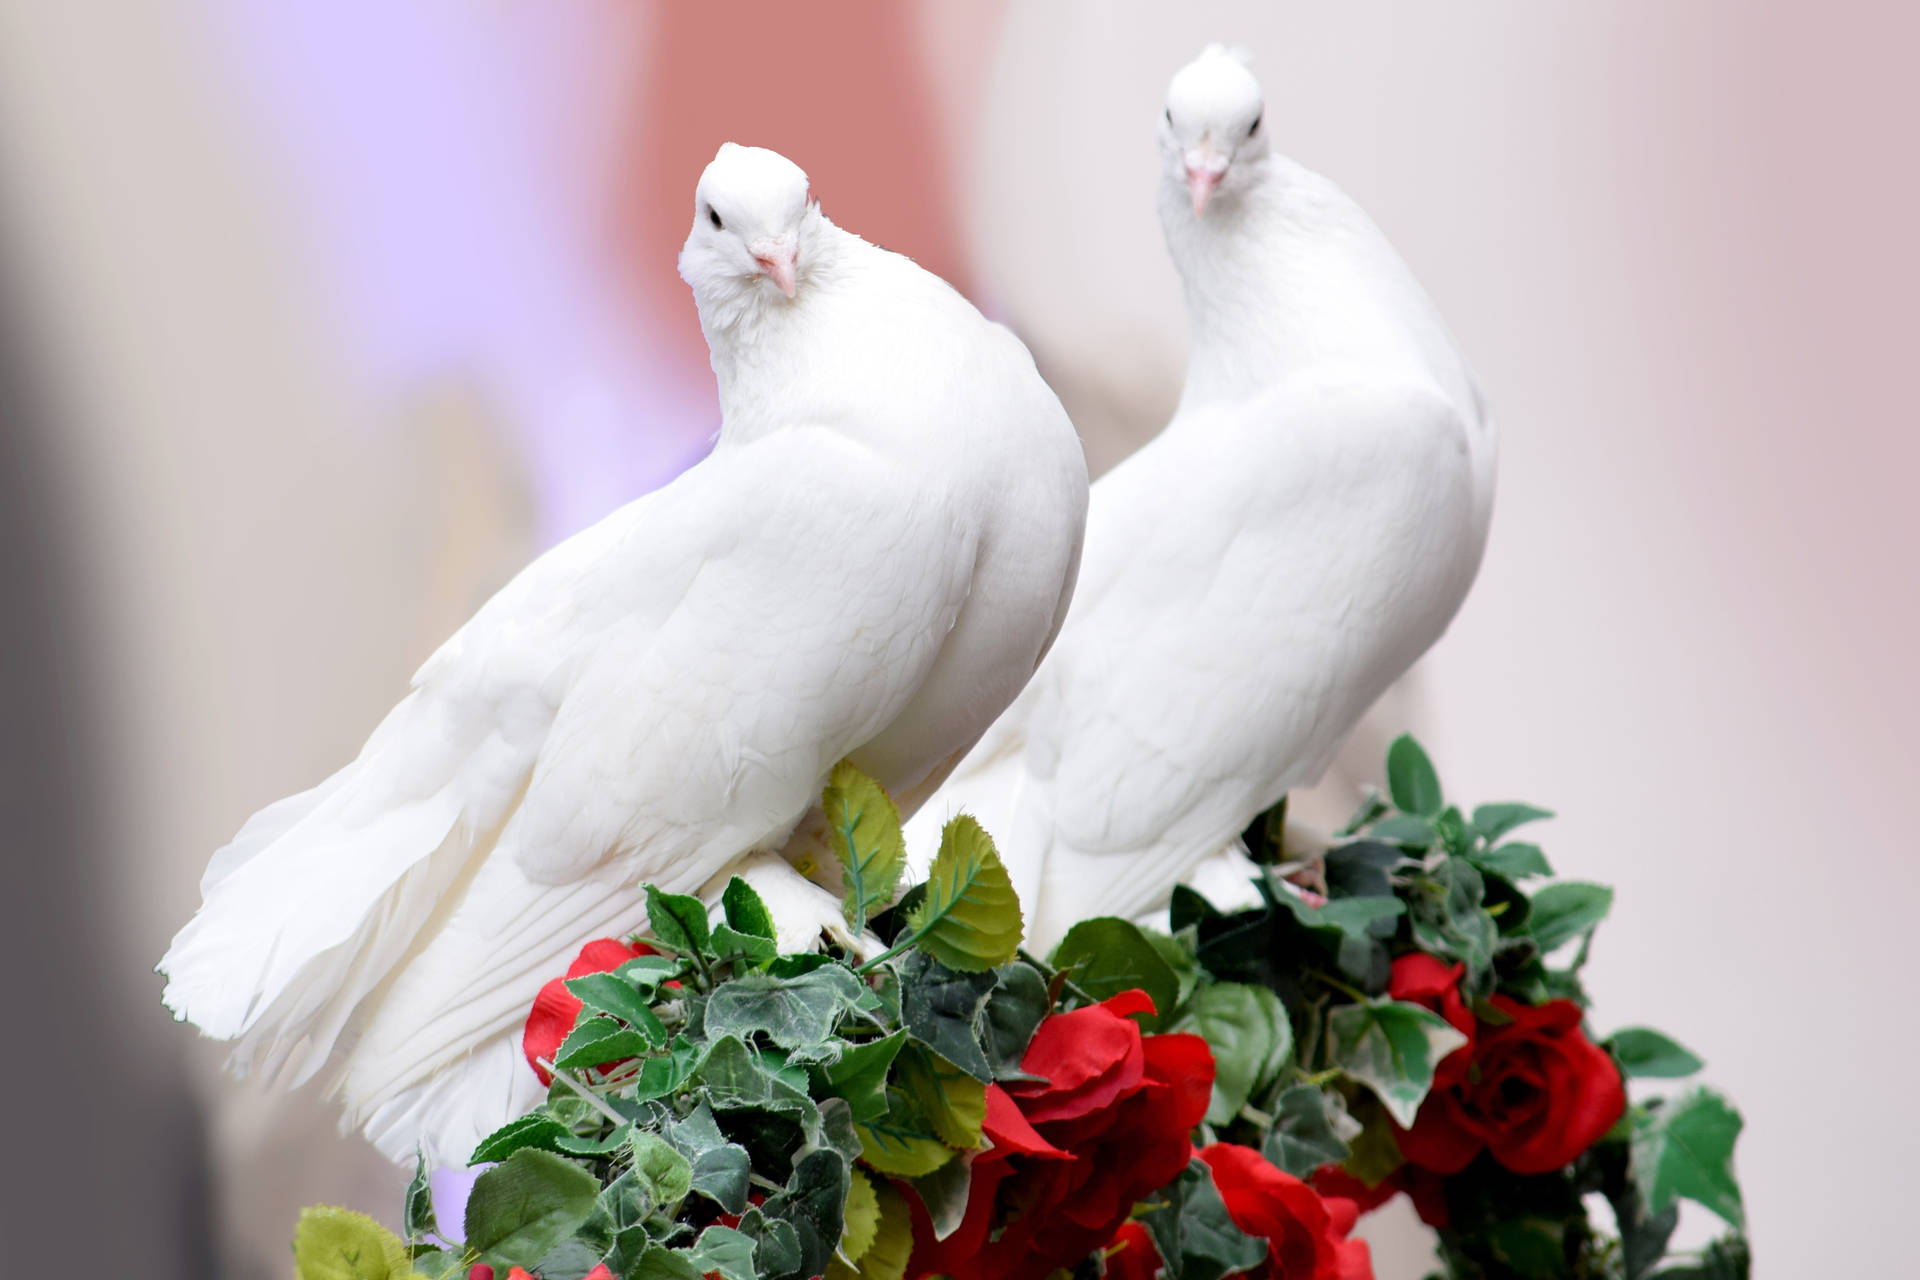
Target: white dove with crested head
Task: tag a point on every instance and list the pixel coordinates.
(870, 564)
(1301, 531)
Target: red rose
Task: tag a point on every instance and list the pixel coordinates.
(1538, 1094)
(1419, 978)
(1306, 1235)
(1131, 1255)
(1109, 1122)
(556, 1008)
(1305, 1231)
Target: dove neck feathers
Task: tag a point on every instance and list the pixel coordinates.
(1289, 273)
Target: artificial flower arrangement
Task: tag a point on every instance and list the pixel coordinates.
(1222, 1100)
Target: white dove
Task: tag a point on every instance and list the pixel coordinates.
(1299, 533)
(871, 563)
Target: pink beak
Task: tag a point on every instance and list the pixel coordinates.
(776, 259)
(1201, 181)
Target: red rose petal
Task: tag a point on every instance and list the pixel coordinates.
(1010, 1132)
(555, 1008)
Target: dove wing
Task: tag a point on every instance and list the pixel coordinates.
(1283, 562)
(645, 702)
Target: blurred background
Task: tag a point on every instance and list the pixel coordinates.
(318, 320)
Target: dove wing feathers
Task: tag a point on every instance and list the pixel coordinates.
(1283, 562)
(647, 701)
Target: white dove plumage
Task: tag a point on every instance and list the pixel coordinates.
(870, 564)
(1301, 531)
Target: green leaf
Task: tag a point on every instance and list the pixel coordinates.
(1565, 910)
(720, 1169)
(608, 994)
(678, 921)
(970, 919)
(1195, 1235)
(1353, 929)
(1684, 1148)
(520, 1209)
(864, 830)
(1014, 1010)
(903, 1143)
(813, 1201)
(724, 1252)
(945, 1010)
(859, 1075)
(599, 1041)
(1372, 809)
(339, 1244)
(776, 1245)
(1533, 1246)
(1109, 955)
(1514, 860)
(1449, 921)
(1303, 1136)
(535, 1130)
(418, 1221)
(886, 1257)
(744, 910)
(1391, 1047)
(1644, 1053)
(755, 950)
(737, 1077)
(657, 1262)
(1491, 821)
(944, 1194)
(663, 1172)
(1252, 1040)
(1411, 781)
(862, 1217)
(954, 1103)
(792, 1012)
(1415, 833)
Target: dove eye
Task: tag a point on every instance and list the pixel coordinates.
(1255, 126)
(713, 216)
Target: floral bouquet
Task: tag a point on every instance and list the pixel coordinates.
(1221, 1099)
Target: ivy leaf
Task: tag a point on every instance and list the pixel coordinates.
(1014, 1010)
(1562, 912)
(657, 1262)
(859, 1075)
(724, 1252)
(1352, 928)
(1359, 869)
(1644, 1053)
(1194, 1233)
(1449, 921)
(944, 1195)
(1727, 1258)
(1411, 781)
(1532, 1246)
(720, 1169)
(521, 1208)
(954, 1103)
(944, 1010)
(1491, 821)
(812, 1202)
(418, 1221)
(970, 919)
(664, 1173)
(864, 829)
(792, 1012)
(745, 912)
(1391, 1047)
(738, 1079)
(776, 1245)
(1303, 1136)
(1252, 1039)
(609, 994)
(755, 950)
(1684, 1148)
(598, 1041)
(1109, 955)
(679, 921)
(339, 1244)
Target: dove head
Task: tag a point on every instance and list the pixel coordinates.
(1212, 135)
(752, 228)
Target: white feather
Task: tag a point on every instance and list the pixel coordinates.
(1302, 530)
(870, 564)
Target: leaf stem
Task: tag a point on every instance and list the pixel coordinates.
(592, 1099)
(1342, 987)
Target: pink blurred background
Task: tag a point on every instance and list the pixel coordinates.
(320, 320)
